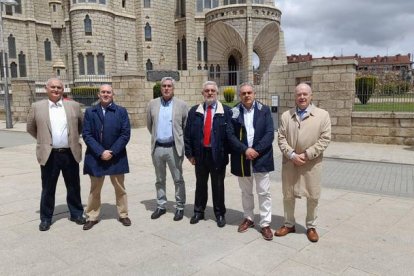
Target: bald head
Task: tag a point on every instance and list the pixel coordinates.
(303, 95)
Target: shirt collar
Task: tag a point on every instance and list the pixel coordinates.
(166, 103)
(251, 108)
(57, 104)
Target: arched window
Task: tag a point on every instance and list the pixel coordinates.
(126, 56)
(22, 65)
(147, 4)
(180, 8)
(123, 3)
(178, 54)
(218, 69)
(211, 71)
(148, 35)
(48, 50)
(13, 70)
(18, 7)
(81, 62)
(101, 63)
(87, 25)
(90, 64)
(12, 46)
(199, 55)
(148, 65)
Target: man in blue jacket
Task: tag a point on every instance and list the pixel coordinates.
(205, 142)
(106, 133)
(252, 157)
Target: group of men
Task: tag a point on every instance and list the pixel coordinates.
(206, 135)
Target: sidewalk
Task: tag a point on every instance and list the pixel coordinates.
(360, 234)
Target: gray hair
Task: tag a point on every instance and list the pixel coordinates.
(164, 79)
(210, 83)
(246, 84)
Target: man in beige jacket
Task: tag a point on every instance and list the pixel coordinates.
(304, 133)
(56, 125)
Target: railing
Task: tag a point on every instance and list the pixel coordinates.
(384, 92)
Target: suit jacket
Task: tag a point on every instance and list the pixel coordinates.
(109, 132)
(311, 135)
(179, 115)
(262, 141)
(194, 135)
(38, 125)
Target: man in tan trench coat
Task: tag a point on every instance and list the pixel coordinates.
(304, 133)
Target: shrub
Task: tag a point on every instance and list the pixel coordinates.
(389, 89)
(404, 87)
(364, 87)
(229, 94)
(156, 90)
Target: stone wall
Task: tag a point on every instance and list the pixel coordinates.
(23, 97)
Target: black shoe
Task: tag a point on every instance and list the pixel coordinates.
(196, 218)
(125, 221)
(157, 213)
(89, 224)
(79, 220)
(221, 221)
(178, 214)
(44, 226)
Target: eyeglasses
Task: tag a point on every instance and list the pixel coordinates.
(210, 90)
(166, 85)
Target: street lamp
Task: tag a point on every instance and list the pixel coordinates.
(9, 123)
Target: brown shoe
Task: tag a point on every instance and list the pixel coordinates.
(267, 233)
(89, 224)
(245, 225)
(312, 235)
(125, 221)
(284, 230)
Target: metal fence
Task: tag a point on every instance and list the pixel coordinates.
(232, 79)
(86, 98)
(384, 91)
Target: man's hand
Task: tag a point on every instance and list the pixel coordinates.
(300, 159)
(192, 160)
(106, 155)
(251, 154)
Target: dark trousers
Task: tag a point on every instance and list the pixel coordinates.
(60, 161)
(202, 172)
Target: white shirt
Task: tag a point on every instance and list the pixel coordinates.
(248, 116)
(59, 124)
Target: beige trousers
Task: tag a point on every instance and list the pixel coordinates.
(311, 215)
(94, 201)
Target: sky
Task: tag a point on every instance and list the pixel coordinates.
(348, 27)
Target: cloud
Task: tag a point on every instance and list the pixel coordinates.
(332, 27)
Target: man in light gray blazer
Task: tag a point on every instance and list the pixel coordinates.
(166, 119)
(56, 125)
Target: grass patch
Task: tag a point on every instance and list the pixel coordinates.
(387, 107)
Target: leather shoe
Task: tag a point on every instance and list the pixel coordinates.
(312, 235)
(179, 213)
(44, 226)
(196, 218)
(89, 224)
(125, 221)
(221, 221)
(157, 213)
(267, 233)
(245, 225)
(79, 220)
(284, 230)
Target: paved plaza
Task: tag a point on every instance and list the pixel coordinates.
(366, 220)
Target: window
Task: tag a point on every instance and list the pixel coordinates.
(126, 56)
(9, 10)
(148, 36)
(211, 71)
(13, 70)
(102, 1)
(148, 65)
(88, 25)
(81, 62)
(48, 50)
(101, 63)
(184, 52)
(199, 6)
(180, 8)
(258, 1)
(1, 64)
(178, 55)
(22, 65)
(231, 2)
(123, 3)
(12, 46)
(90, 64)
(199, 49)
(18, 7)
(205, 49)
(147, 4)
(218, 71)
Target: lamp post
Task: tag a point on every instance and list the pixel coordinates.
(9, 123)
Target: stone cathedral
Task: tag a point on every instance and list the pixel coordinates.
(95, 38)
